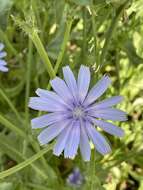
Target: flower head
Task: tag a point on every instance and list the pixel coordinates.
(75, 114)
(3, 63)
(75, 178)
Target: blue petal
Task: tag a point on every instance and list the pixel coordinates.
(62, 140)
(61, 89)
(99, 141)
(71, 82)
(50, 96)
(3, 63)
(48, 119)
(97, 90)
(73, 141)
(1, 46)
(108, 114)
(83, 82)
(43, 104)
(84, 143)
(75, 178)
(109, 128)
(3, 69)
(52, 131)
(106, 103)
(3, 54)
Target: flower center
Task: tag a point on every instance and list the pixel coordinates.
(78, 112)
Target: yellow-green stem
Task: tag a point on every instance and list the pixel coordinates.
(43, 54)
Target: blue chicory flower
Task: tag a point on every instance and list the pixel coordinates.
(74, 112)
(3, 63)
(75, 178)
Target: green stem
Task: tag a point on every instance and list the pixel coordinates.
(92, 170)
(25, 163)
(7, 43)
(117, 66)
(110, 32)
(63, 47)
(84, 41)
(94, 30)
(27, 91)
(43, 54)
(12, 127)
(37, 186)
(2, 93)
(25, 145)
(64, 43)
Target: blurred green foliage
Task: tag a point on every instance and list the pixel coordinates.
(106, 35)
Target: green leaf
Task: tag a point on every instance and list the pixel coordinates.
(11, 147)
(25, 163)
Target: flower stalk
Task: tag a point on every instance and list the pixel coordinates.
(43, 54)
